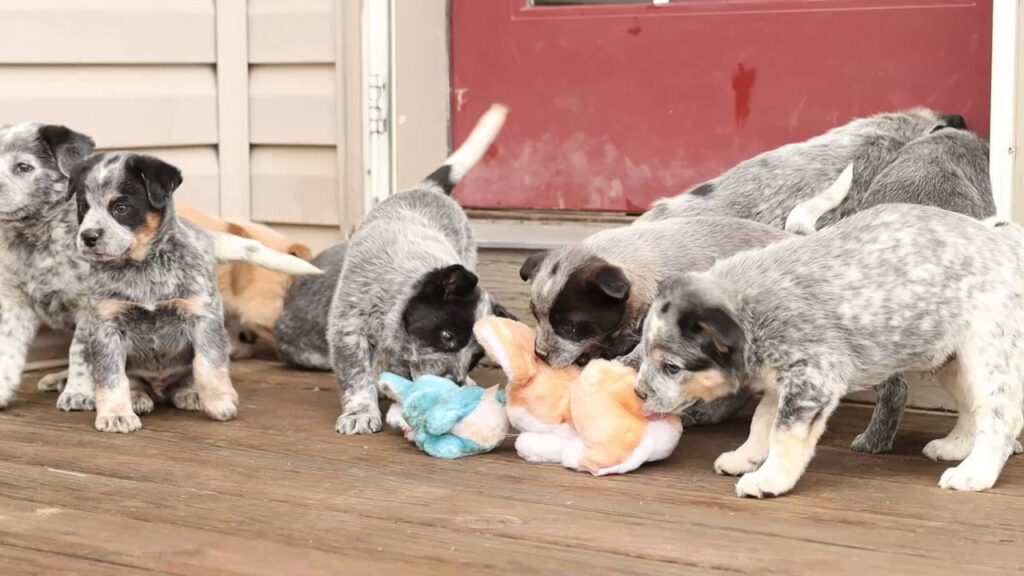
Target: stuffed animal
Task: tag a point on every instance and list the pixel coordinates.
(444, 419)
(587, 420)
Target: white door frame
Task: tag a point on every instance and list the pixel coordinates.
(378, 100)
(1004, 114)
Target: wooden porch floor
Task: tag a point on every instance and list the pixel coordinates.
(278, 492)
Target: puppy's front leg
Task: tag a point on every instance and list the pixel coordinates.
(807, 399)
(18, 326)
(216, 393)
(885, 419)
(79, 391)
(749, 456)
(352, 361)
(106, 355)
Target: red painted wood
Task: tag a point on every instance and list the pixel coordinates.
(615, 106)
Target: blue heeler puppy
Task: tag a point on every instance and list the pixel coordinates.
(407, 297)
(895, 289)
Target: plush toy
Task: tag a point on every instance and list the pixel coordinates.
(444, 419)
(587, 420)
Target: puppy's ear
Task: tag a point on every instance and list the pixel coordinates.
(954, 121)
(529, 268)
(609, 280)
(719, 335)
(67, 146)
(500, 311)
(160, 178)
(453, 283)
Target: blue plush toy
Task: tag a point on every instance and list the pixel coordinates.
(444, 419)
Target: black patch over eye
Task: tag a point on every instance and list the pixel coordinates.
(22, 168)
(448, 339)
(119, 210)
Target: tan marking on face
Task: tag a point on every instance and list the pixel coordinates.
(144, 235)
(706, 385)
(110, 309)
(658, 355)
(191, 306)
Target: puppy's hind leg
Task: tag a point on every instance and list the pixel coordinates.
(993, 379)
(885, 419)
(18, 326)
(957, 444)
(352, 360)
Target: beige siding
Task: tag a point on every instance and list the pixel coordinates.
(295, 185)
(291, 31)
(292, 104)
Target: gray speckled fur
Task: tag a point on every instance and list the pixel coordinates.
(301, 330)
(896, 288)
(648, 253)
(148, 339)
(41, 276)
(768, 186)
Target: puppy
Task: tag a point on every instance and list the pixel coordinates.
(896, 288)
(407, 297)
(946, 169)
(301, 330)
(154, 311)
(590, 298)
(253, 296)
(41, 277)
(767, 187)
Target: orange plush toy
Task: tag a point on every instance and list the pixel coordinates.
(586, 420)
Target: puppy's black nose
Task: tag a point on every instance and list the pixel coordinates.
(542, 355)
(91, 236)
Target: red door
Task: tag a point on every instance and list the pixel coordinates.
(613, 106)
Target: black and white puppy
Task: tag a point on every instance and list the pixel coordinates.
(590, 298)
(407, 297)
(898, 288)
(154, 310)
(300, 333)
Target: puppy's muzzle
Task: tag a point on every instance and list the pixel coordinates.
(91, 236)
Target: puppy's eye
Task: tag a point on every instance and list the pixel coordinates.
(22, 168)
(572, 327)
(671, 369)
(448, 339)
(120, 209)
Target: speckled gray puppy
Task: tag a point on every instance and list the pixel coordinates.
(407, 296)
(300, 332)
(768, 186)
(896, 288)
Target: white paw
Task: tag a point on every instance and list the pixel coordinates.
(141, 402)
(222, 408)
(948, 449)
(71, 401)
(970, 478)
(5, 398)
(365, 421)
(186, 399)
(53, 382)
(736, 463)
(120, 423)
(762, 484)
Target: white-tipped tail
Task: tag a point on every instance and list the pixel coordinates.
(472, 150)
(804, 217)
(231, 248)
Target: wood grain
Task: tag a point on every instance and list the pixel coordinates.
(279, 492)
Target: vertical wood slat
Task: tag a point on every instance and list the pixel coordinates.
(349, 80)
(233, 107)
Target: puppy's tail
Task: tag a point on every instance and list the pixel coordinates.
(804, 217)
(472, 150)
(231, 248)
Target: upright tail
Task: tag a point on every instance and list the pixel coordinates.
(471, 151)
(231, 248)
(804, 217)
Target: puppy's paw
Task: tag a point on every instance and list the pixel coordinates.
(186, 399)
(868, 445)
(118, 423)
(1017, 448)
(141, 402)
(5, 398)
(762, 484)
(969, 477)
(74, 401)
(52, 382)
(223, 408)
(737, 463)
(366, 421)
(948, 449)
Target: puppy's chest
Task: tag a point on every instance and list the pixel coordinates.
(157, 339)
(54, 281)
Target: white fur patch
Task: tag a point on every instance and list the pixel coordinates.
(522, 420)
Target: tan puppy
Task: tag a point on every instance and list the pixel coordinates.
(253, 296)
